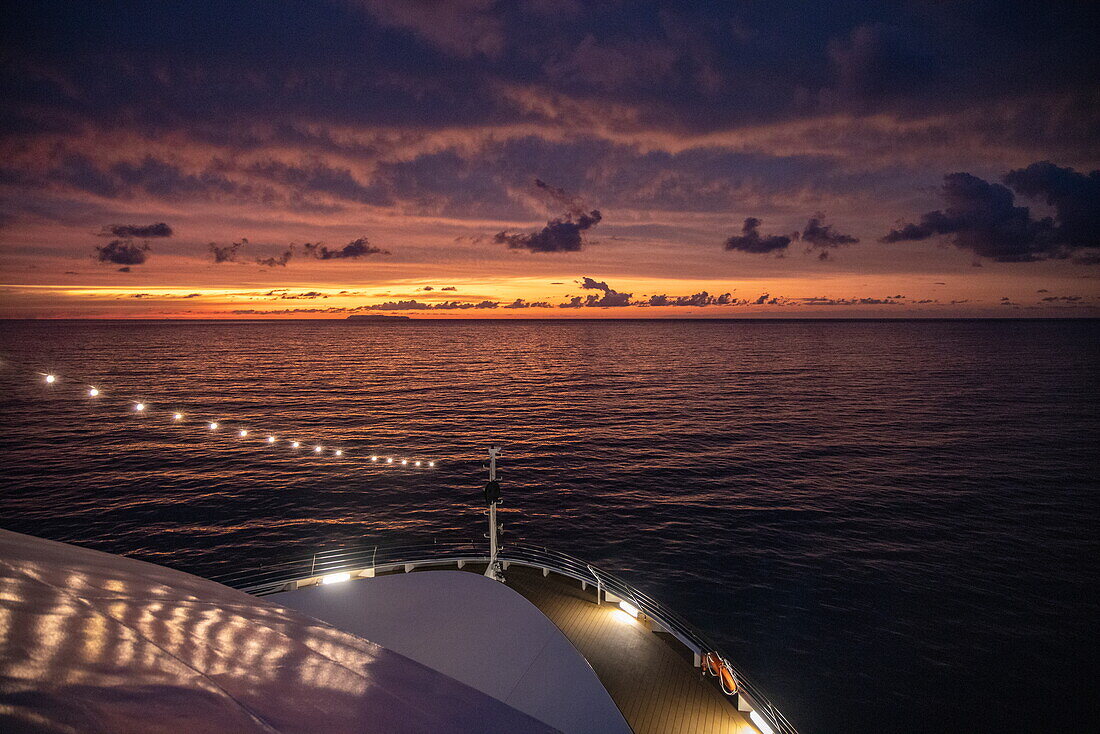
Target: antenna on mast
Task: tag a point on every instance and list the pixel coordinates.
(492, 498)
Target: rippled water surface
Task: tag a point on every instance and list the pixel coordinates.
(891, 525)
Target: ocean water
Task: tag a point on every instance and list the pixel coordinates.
(892, 526)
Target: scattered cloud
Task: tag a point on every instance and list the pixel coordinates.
(818, 234)
(138, 231)
(226, 253)
(610, 298)
(352, 250)
(562, 234)
(122, 252)
(750, 239)
(520, 303)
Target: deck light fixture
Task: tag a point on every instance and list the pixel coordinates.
(335, 578)
(629, 608)
(760, 723)
(92, 391)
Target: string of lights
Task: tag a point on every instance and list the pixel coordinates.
(213, 425)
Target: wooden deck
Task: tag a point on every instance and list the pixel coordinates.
(648, 674)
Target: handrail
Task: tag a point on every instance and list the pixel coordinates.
(278, 577)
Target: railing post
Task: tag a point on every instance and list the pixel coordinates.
(492, 496)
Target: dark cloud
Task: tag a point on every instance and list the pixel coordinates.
(226, 253)
(140, 231)
(1074, 196)
(449, 288)
(823, 301)
(352, 250)
(413, 305)
(818, 234)
(983, 217)
(610, 298)
(122, 252)
(427, 288)
(697, 299)
(231, 254)
(562, 234)
(277, 261)
(520, 303)
(1061, 299)
(124, 269)
(750, 239)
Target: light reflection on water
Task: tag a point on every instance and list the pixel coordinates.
(870, 516)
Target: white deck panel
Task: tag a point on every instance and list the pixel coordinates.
(477, 631)
(95, 643)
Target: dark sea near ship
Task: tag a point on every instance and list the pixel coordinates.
(892, 525)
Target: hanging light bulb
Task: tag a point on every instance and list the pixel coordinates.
(271, 439)
(374, 458)
(242, 434)
(404, 462)
(139, 407)
(177, 417)
(50, 379)
(339, 452)
(389, 459)
(418, 463)
(294, 444)
(93, 392)
(213, 426)
(431, 463)
(316, 449)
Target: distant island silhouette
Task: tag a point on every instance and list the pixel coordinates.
(372, 317)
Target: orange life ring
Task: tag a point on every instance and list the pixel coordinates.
(729, 683)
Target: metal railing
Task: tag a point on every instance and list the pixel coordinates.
(288, 575)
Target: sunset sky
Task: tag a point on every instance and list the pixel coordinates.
(549, 158)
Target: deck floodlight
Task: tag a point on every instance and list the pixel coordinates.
(760, 723)
(139, 407)
(335, 578)
(93, 392)
(629, 608)
(50, 379)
